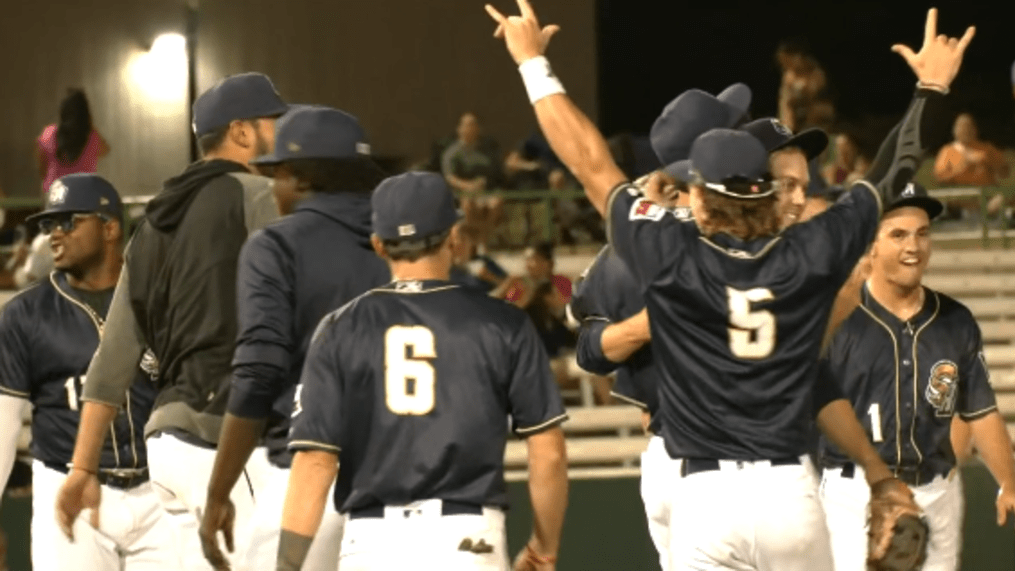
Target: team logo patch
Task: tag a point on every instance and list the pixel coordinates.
(644, 209)
(363, 148)
(57, 192)
(293, 148)
(943, 387)
(682, 213)
(781, 129)
(910, 191)
(150, 364)
(407, 230)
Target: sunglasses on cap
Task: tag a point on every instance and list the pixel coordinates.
(67, 222)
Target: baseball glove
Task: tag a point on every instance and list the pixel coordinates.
(897, 533)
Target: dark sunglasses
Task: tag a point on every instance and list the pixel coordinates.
(66, 222)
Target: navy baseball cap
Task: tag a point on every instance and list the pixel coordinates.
(82, 192)
(235, 98)
(775, 136)
(316, 132)
(413, 206)
(731, 162)
(914, 194)
(692, 113)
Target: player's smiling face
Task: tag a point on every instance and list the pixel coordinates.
(789, 168)
(902, 249)
(82, 247)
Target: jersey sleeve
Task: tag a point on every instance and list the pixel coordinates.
(646, 236)
(265, 305)
(316, 416)
(533, 394)
(975, 396)
(827, 387)
(589, 348)
(15, 369)
(115, 364)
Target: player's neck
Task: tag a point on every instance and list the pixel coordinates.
(427, 268)
(99, 277)
(902, 302)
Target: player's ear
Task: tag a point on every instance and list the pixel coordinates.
(112, 231)
(378, 246)
(241, 134)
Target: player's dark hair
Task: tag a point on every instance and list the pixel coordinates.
(212, 140)
(360, 175)
(544, 249)
(413, 250)
(75, 126)
(746, 219)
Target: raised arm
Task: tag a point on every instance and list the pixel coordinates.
(935, 66)
(572, 136)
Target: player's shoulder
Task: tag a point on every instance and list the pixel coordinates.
(28, 305)
(951, 309)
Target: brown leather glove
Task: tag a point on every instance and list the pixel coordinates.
(897, 531)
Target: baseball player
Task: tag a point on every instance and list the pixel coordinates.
(292, 274)
(909, 360)
(48, 334)
(409, 386)
(177, 295)
(608, 302)
(737, 309)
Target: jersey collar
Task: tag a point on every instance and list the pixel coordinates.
(922, 317)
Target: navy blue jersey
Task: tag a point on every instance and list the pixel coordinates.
(291, 274)
(907, 379)
(737, 326)
(47, 338)
(413, 385)
(608, 293)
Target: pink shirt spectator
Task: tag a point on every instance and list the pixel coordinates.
(518, 288)
(86, 163)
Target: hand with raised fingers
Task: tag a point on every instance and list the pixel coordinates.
(938, 61)
(524, 37)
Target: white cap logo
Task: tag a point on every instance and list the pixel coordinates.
(57, 192)
(407, 230)
(910, 191)
(781, 129)
(363, 148)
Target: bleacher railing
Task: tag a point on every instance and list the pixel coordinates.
(543, 216)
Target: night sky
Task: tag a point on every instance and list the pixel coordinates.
(649, 51)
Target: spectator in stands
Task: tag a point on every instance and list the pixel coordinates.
(470, 170)
(860, 168)
(72, 145)
(521, 290)
(472, 269)
(531, 164)
(846, 153)
(969, 161)
(803, 93)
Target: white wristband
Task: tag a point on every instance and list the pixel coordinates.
(539, 79)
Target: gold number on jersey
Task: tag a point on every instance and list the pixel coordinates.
(399, 370)
(752, 333)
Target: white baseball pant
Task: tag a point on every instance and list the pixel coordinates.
(417, 536)
(180, 474)
(747, 516)
(267, 526)
(134, 534)
(846, 503)
(655, 482)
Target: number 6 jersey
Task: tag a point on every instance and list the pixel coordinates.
(48, 334)
(413, 386)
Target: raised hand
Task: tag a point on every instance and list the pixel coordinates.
(524, 37)
(940, 57)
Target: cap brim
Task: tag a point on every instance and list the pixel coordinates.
(50, 212)
(765, 188)
(680, 170)
(932, 206)
(813, 142)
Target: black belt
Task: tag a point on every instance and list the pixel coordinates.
(694, 465)
(909, 475)
(448, 507)
(120, 479)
